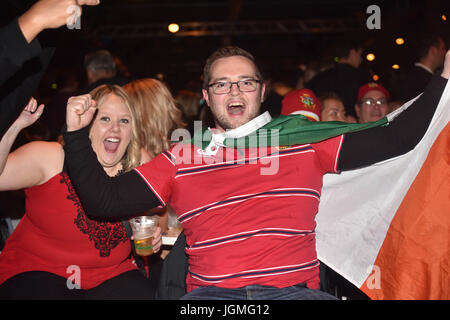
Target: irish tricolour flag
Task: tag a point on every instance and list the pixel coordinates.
(386, 228)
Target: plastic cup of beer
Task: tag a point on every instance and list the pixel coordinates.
(144, 228)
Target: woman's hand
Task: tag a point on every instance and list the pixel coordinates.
(29, 115)
(80, 111)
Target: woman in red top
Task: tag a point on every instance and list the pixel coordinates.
(56, 251)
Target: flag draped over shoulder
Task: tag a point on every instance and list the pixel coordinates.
(386, 227)
(287, 131)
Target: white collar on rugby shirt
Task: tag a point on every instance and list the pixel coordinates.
(239, 132)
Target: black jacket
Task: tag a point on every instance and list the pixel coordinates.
(414, 83)
(22, 66)
(172, 282)
(344, 80)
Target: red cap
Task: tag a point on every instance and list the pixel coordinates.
(303, 102)
(369, 87)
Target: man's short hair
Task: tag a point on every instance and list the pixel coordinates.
(225, 52)
(424, 42)
(101, 60)
(345, 45)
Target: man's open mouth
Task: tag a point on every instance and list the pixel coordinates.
(236, 108)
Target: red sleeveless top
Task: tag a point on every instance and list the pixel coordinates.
(56, 236)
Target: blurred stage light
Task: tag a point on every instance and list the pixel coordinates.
(173, 27)
(370, 57)
(400, 41)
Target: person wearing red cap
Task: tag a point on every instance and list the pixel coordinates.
(372, 102)
(303, 102)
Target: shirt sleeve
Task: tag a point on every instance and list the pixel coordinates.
(159, 174)
(22, 66)
(328, 153)
(15, 50)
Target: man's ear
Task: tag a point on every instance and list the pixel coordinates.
(432, 51)
(263, 91)
(205, 96)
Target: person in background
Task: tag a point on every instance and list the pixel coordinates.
(22, 59)
(303, 102)
(430, 52)
(372, 103)
(101, 69)
(156, 110)
(332, 108)
(56, 245)
(345, 77)
(189, 103)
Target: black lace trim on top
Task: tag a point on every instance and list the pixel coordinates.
(105, 235)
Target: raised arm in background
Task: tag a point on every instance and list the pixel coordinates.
(22, 60)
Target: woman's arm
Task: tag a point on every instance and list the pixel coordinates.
(119, 197)
(370, 146)
(29, 115)
(30, 164)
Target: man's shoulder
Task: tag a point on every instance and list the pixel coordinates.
(418, 71)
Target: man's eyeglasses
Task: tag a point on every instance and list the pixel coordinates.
(373, 102)
(223, 87)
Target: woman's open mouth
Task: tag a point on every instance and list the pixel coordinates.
(111, 144)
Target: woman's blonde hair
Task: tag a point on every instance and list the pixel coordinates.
(132, 156)
(156, 113)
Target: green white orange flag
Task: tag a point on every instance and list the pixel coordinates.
(386, 227)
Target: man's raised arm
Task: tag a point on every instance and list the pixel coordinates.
(370, 146)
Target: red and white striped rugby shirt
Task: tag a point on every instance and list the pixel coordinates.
(243, 227)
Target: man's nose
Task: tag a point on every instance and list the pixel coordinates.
(234, 90)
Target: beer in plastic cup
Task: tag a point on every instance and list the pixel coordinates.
(144, 228)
